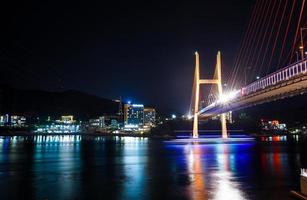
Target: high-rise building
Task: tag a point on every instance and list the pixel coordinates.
(120, 109)
(98, 122)
(134, 114)
(149, 116)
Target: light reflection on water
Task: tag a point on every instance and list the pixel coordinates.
(218, 172)
(82, 167)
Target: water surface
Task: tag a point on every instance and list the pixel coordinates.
(79, 167)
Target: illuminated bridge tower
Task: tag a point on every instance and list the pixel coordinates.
(197, 83)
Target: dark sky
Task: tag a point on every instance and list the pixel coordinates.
(140, 50)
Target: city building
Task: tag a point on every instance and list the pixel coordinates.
(98, 122)
(67, 119)
(134, 114)
(149, 116)
(58, 128)
(120, 109)
(66, 124)
(272, 125)
(114, 124)
(229, 117)
(18, 121)
(4, 120)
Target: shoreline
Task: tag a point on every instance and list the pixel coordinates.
(144, 135)
(87, 134)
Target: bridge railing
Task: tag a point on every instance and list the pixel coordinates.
(276, 77)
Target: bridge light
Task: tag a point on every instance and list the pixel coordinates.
(174, 116)
(224, 98)
(257, 77)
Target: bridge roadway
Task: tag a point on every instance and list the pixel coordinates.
(286, 82)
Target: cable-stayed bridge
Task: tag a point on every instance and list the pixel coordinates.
(288, 81)
(274, 36)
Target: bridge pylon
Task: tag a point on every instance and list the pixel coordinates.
(197, 83)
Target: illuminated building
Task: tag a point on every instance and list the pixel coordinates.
(114, 124)
(272, 125)
(120, 109)
(134, 114)
(58, 128)
(149, 116)
(67, 119)
(229, 117)
(99, 122)
(4, 120)
(18, 121)
(66, 124)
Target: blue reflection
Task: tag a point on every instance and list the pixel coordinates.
(214, 166)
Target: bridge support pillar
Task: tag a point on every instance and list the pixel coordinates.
(197, 82)
(224, 126)
(220, 90)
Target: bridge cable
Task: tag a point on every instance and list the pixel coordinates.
(258, 17)
(255, 49)
(255, 37)
(269, 25)
(297, 29)
(286, 33)
(276, 38)
(244, 41)
(250, 39)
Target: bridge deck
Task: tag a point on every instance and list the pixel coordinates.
(293, 86)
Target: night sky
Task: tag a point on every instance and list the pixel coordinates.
(142, 51)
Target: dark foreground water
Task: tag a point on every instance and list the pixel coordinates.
(75, 167)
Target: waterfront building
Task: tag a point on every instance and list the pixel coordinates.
(58, 128)
(18, 121)
(229, 117)
(134, 114)
(120, 109)
(149, 116)
(4, 120)
(272, 125)
(67, 119)
(66, 124)
(114, 124)
(98, 122)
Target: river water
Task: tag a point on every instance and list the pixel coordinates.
(80, 167)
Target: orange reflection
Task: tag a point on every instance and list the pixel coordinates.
(197, 187)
